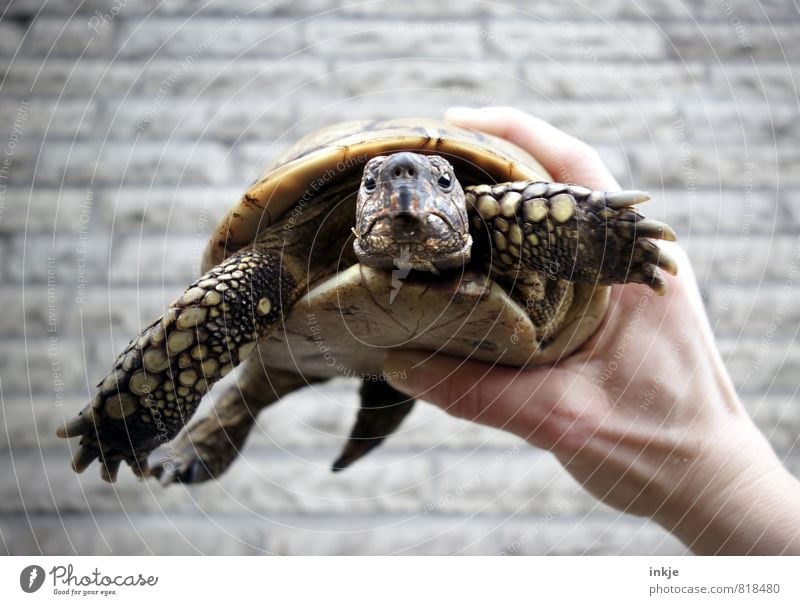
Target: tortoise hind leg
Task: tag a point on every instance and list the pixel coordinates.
(382, 410)
(209, 446)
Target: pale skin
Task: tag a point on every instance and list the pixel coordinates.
(644, 415)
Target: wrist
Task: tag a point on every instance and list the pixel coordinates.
(733, 497)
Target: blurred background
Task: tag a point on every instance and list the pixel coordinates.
(127, 128)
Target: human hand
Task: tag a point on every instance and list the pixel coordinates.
(644, 415)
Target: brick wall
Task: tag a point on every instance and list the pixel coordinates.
(127, 129)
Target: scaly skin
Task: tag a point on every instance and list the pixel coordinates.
(158, 381)
(208, 447)
(568, 232)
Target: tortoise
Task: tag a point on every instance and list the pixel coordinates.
(362, 238)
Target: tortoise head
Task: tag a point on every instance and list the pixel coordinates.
(411, 213)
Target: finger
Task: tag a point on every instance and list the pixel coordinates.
(567, 159)
(492, 395)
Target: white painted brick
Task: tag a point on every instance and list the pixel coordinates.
(39, 366)
(53, 77)
(55, 7)
(707, 165)
(741, 9)
(746, 260)
(29, 260)
(58, 37)
(792, 460)
(180, 209)
(304, 484)
(777, 418)
(32, 421)
(518, 480)
(604, 535)
(43, 211)
(251, 158)
(28, 312)
(626, 80)
(58, 118)
(741, 123)
(732, 41)
(726, 214)
(420, 10)
(117, 534)
(385, 535)
(17, 317)
(590, 42)
(156, 260)
(11, 35)
(125, 311)
(765, 80)
(133, 163)
(407, 75)
(750, 311)
(176, 7)
(212, 37)
(209, 76)
(373, 40)
(790, 199)
(223, 534)
(376, 105)
(197, 118)
(762, 365)
(270, 484)
(607, 121)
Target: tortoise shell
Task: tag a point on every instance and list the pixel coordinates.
(350, 318)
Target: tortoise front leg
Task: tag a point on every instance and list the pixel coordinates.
(158, 381)
(569, 232)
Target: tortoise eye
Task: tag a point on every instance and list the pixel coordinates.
(369, 183)
(445, 181)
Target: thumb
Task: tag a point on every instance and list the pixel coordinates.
(488, 394)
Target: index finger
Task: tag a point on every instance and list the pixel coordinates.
(566, 158)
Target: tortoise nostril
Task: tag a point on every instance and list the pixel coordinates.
(406, 172)
(402, 166)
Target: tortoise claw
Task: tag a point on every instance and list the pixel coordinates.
(140, 467)
(85, 455)
(109, 470)
(625, 199)
(648, 252)
(648, 275)
(647, 227)
(78, 426)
